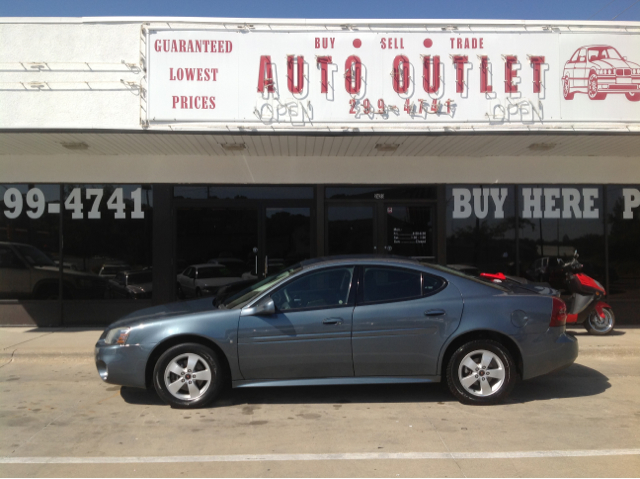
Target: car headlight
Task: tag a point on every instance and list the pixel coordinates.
(117, 336)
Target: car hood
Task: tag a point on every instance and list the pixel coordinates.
(140, 287)
(68, 273)
(613, 63)
(166, 311)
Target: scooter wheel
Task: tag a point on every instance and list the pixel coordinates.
(600, 326)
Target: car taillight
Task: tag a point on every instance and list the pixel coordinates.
(558, 313)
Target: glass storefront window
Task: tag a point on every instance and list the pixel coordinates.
(30, 241)
(623, 230)
(555, 221)
(243, 192)
(107, 241)
(381, 193)
(481, 228)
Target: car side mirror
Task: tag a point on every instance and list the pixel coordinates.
(263, 308)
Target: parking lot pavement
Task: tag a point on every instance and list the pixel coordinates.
(582, 421)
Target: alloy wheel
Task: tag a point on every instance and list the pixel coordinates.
(481, 373)
(188, 377)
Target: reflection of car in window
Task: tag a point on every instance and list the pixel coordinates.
(131, 285)
(28, 273)
(599, 70)
(111, 270)
(204, 279)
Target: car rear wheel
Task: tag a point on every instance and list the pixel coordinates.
(600, 326)
(566, 89)
(188, 376)
(633, 96)
(481, 372)
(593, 88)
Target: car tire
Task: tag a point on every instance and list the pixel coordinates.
(179, 292)
(188, 376)
(633, 96)
(490, 378)
(599, 327)
(592, 88)
(566, 89)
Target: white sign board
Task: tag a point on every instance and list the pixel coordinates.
(393, 80)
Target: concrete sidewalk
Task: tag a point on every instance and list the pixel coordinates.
(47, 343)
(77, 344)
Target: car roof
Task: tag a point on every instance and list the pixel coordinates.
(351, 259)
(207, 265)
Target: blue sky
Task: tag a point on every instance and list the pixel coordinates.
(623, 10)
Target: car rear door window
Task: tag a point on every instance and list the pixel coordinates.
(383, 284)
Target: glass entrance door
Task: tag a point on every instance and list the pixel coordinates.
(214, 247)
(287, 238)
(409, 230)
(351, 229)
(217, 246)
(381, 227)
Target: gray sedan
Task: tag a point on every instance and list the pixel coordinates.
(346, 320)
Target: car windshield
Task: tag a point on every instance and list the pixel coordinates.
(115, 269)
(240, 299)
(465, 276)
(213, 272)
(603, 53)
(34, 256)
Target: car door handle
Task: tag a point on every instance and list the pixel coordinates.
(435, 312)
(332, 321)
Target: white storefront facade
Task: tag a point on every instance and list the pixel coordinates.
(134, 152)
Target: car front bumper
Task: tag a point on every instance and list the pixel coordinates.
(122, 365)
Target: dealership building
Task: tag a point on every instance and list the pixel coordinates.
(148, 160)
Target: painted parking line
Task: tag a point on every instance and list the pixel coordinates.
(319, 457)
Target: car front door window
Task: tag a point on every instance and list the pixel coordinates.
(323, 289)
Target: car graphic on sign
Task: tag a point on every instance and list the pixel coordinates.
(599, 70)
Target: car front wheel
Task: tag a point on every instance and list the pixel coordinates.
(566, 89)
(633, 96)
(481, 372)
(188, 376)
(593, 88)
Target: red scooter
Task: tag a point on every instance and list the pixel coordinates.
(584, 306)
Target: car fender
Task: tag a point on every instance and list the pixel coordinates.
(219, 328)
(520, 319)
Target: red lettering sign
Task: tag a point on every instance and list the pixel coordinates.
(295, 87)
(537, 81)
(431, 85)
(324, 62)
(401, 73)
(459, 61)
(265, 77)
(353, 75)
(484, 75)
(510, 74)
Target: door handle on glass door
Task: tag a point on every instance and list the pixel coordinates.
(435, 312)
(332, 321)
